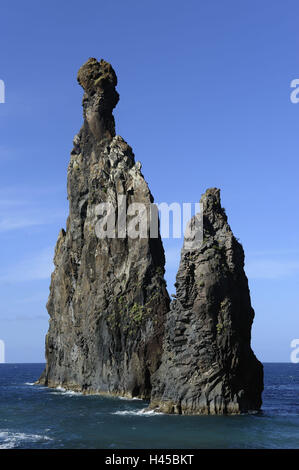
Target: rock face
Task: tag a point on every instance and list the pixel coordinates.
(208, 366)
(111, 327)
(108, 297)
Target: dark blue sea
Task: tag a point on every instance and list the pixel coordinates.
(35, 417)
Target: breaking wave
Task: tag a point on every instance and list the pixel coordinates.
(143, 412)
(11, 440)
(129, 399)
(63, 391)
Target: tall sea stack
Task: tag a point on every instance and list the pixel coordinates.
(108, 297)
(112, 328)
(208, 366)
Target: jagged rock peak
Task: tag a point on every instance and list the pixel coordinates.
(211, 201)
(208, 366)
(94, 76)
(98, 80)
(214, 215)
(108, 297)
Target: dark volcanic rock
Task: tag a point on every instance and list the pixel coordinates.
(111, 330)
(208, 365)
(108, 297)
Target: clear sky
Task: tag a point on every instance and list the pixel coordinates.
(204, 101)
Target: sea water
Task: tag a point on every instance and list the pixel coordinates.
(36, 417)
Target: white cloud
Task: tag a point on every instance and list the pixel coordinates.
(20, 318)
(17, 223)
(274, 253)
(21, 208)
(37, 267)
(266, 268)
(8, 203)
(29, 193)
(37, 298)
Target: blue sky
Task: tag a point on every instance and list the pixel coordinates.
(204, 101)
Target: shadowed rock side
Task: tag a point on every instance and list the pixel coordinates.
(108, 297)
(208, 366)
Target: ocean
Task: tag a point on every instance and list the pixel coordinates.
(35, 417)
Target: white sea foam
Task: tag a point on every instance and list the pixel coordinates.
(38, 387)
(71, 393)
(128, 398)
(63, 391)
(10, 440)
(143, 412)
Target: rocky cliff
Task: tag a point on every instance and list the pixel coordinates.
(108, 297)
(208, 366)
(111, 329)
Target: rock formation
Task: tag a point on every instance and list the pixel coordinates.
(208, 366)
(108, 297)
(111, 328)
